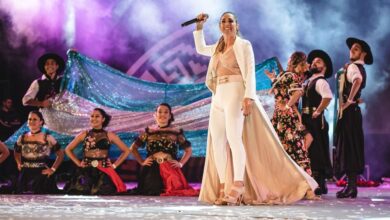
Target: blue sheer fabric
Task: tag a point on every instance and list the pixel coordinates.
(106, 86)
(131, 102)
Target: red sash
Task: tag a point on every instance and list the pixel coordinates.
(175, 183)
(120, 186)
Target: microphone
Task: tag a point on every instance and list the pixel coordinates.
(193, 21)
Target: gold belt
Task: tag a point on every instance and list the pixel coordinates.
(95, 162)
(229, 78)
(308, 110)
(160, 160)
(33, 164)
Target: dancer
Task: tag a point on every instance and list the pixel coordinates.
(287, 121)
(244, 156)
(161, 170)
(316, 98)
(42, 90)
(4, 152)
(96, 174)
(349, 139)
(32, 151)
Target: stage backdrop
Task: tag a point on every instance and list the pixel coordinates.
(144, 39)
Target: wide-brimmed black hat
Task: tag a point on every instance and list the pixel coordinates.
(325, 57)
(42, 60)
(365, 47)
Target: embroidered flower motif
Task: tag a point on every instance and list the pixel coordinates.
(285, 122)
(90, 143)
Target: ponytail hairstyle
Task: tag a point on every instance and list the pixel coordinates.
(171, 119)
(221, 42)
(107, 117)
(39, 114)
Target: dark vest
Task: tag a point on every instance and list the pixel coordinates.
(311, 97)
(348, 85)
(48, 88)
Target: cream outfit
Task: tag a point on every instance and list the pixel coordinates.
(270, 175)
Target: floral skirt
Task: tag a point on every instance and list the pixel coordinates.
(286, 124)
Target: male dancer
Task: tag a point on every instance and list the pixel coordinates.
(316, 98)
(349, 138)
(43, 89)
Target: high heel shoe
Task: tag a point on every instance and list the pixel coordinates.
(237, 198)
(219, 200)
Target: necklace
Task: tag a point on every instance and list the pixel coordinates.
(164, 126)
(36, 132)
(97, 129)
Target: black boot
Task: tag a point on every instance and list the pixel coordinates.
(351, 190)
(324, 188)
(341, 191)
(317, 178)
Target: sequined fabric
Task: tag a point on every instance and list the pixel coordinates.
(131, 102)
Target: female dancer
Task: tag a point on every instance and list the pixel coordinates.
(96, 173)
(161, 173)
(32, 151)
(287, 88)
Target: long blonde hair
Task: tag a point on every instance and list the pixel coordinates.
(221, 42)
(296, 58)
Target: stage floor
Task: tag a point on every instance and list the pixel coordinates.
(372, 203)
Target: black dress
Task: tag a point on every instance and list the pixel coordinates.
(160, 178)
(34, 159)
(91, 180)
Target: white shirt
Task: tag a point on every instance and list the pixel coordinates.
(353, 71)
(322, 86)
(33, 90)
